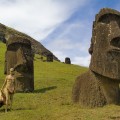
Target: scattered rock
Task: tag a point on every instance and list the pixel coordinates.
(49, 57)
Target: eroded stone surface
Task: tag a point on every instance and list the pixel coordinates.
(67, 60)
(20, 57)
(50, 57)
(100, 85)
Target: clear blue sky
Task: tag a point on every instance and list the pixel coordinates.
(63, 26)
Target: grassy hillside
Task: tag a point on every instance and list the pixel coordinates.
(51, 99)
(37, 47)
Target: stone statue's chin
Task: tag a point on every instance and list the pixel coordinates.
(21, 68)
(106, 64)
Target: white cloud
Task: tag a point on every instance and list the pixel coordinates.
(73, 41)
(83, 61)
(37, 18)
(63, 44)
(72, 36)
(60, 54)
(77, 28)
(78, 60)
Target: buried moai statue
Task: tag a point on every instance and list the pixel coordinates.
(19, 56)
(100, 85)
(67, 60)
(49, 57)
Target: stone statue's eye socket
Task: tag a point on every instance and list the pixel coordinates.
(115, 42)
(12, 48)
(109, 18)
(104, 19)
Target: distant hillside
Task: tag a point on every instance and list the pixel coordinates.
(37, 47)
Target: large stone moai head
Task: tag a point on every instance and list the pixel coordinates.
(105, 44)
(20, 57)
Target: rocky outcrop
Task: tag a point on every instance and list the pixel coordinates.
(37, 47)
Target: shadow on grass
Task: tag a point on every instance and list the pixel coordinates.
(23, 109)
(15, 109)
(115, 118)
(2, 110)
(43, 90)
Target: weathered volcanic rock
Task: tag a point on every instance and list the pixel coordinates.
(49, 57)
(100, 85)
(67, 60)
(19, 56)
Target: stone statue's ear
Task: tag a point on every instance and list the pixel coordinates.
(90, 50)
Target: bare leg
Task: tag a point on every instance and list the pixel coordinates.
(7, 100)
(11, 100)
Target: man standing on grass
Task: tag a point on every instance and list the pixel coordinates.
(8, 88)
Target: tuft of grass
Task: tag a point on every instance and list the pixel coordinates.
(51, 99)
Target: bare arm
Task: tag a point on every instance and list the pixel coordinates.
(4, 83)
(15, 85)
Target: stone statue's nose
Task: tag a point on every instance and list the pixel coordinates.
(114, 35)
(21, 57)
(115, 42)
(24, 59)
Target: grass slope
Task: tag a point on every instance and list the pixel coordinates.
(51, 99)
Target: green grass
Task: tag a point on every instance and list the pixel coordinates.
(51, 99)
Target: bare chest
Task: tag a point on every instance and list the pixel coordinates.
(10, 79)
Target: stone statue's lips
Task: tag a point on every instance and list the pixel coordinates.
(115, 50)
(21, 68)
(20, 75)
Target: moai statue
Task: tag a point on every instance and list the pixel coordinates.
(67, 60)
(100, 85)
(19, 56)
(50, 57)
